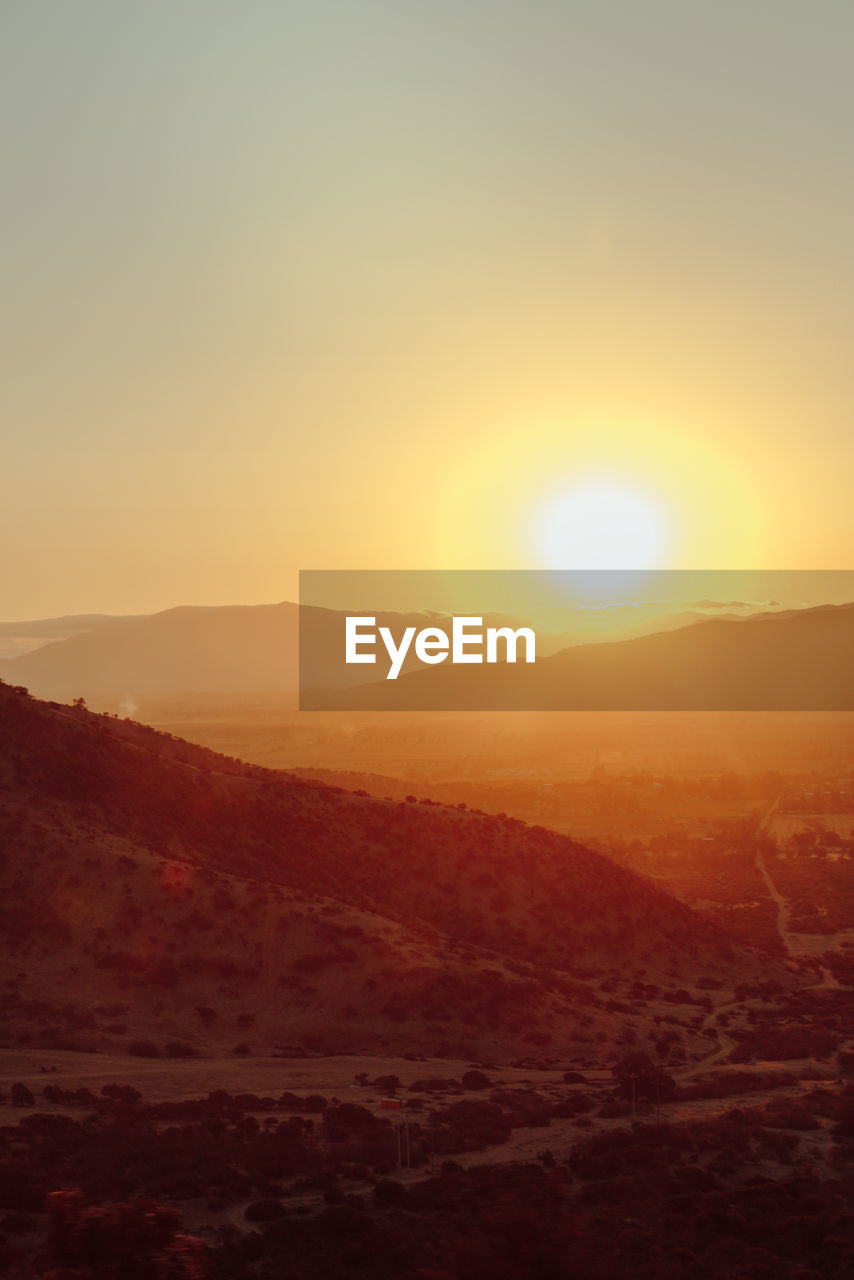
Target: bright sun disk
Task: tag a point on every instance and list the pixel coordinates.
(600, 525)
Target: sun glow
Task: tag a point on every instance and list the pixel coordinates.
(601, 524)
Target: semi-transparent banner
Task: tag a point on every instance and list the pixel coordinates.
(670, 640)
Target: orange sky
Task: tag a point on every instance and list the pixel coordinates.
(375, 286)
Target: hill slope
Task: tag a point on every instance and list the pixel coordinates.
(169, 880)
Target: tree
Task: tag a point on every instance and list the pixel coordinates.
(476, 1080)
(387, 1084)
(639, 1077)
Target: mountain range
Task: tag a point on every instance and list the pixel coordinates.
(231, 649)
(240, 650)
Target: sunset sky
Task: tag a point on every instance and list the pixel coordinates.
(420, 285)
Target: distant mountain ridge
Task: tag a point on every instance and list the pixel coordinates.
(251, 649)
(18, 638)
(224, 649)
(227, 649)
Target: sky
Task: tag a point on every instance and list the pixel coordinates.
(388, 284)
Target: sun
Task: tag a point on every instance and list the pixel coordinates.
(600, 524)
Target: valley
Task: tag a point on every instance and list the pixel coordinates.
(309, 1013)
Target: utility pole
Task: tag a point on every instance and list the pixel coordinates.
(403, 1147)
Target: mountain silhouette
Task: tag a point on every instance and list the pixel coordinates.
(229, 649)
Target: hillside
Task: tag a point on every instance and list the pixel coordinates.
(168, 880)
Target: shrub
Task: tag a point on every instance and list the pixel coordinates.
(475, 1080)
(264, 1211)
(20, 1096)
(388, 1193)
(175, 1049)
(143, 1049)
